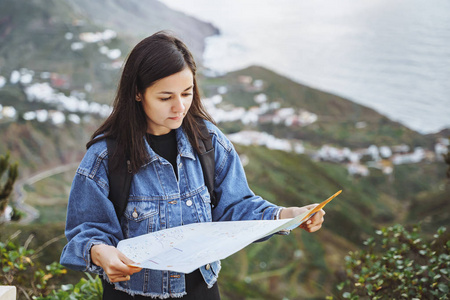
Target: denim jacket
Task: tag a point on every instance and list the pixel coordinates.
(157, 201)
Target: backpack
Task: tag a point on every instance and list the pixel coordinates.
(120, 179)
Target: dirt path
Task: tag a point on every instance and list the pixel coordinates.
(32, 213)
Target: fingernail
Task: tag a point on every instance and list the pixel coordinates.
(309, 222)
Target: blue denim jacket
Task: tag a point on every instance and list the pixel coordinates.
(156, 201)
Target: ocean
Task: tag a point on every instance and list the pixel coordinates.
(392, 56)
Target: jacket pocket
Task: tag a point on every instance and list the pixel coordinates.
(141, 217)
(204, 207)
(197, 207)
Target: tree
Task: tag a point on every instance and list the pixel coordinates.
(399, 264)
(447, 161)
(7, 187)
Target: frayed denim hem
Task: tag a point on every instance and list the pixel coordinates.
(215, 278)
(106, 278)
(90, 267)
(151, 295)
(210, 285)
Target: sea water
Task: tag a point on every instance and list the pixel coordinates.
(392, 56)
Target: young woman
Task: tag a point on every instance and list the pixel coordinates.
(155, 120)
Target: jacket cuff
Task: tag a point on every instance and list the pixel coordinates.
(270, 213)
(90, 266)
(277, 217)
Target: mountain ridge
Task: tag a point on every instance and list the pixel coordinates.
(137, 19)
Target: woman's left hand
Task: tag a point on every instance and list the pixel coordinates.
(312, 224)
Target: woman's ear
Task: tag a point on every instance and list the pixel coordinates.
(138, 98)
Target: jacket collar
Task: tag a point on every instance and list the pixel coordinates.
(185, 148)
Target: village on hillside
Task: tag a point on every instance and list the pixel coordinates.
(44, 87)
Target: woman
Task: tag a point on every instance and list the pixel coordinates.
(155, 120)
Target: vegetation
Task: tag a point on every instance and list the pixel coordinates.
(22, 268)
(399, 264)
(8, 183)
(89, 288)
(300, 264)
(447, 161)
(33, 37)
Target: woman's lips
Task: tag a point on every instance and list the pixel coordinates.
(176, 118)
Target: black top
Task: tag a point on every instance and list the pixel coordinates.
(165, 146)
(196, 289)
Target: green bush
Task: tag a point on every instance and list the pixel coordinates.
(399, 264)
(20, 267)
(86, 289)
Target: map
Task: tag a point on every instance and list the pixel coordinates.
(186, 248)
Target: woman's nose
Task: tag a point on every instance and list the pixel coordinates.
(179, 105)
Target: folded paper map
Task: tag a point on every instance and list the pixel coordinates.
(188, 247)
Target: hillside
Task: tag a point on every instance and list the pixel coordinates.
(69, 38)
(301, 263)
(136, 19)
(43, 36)
(340, 121)
(56, 47)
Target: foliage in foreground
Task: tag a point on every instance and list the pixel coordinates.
(399, 264)
(20, 267)
(86, 289)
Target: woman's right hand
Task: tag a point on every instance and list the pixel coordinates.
(115, 264)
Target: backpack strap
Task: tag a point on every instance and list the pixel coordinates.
(207, 160)
(119, 177)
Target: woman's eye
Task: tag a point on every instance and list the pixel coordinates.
(183, 95)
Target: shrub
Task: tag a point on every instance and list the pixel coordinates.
(399, 264)
(86, 289)
(20, 268)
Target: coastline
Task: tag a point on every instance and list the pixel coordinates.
(365, 52)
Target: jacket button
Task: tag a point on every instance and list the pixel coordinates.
(135, 214)
(208, 266)
(189, 202)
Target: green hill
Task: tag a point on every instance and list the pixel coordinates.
(337, 116)
(32, 35)
(136, 19)
(301, 265)
(307, 266)
(39, 35)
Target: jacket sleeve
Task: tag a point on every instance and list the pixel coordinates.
(91, 218)
(236, 200)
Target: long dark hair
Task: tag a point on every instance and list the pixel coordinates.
(156, 57)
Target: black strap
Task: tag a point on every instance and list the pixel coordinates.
(207, 160)
(120, 175)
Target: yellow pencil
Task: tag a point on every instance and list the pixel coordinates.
(320, 206)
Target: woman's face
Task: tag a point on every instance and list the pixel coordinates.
(167, 101)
